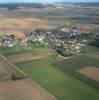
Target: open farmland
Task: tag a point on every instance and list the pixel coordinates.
(91, 72)
(13, 82)
(28, 56)
(60, 84)
(18, 49)
(52, 77)
(23, 25)
(8, 70)
(24, 20)
(31, 70)
(23, 90)
(20, 21)
(25, 53)
(76, 63)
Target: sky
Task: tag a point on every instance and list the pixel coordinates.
(45, 1)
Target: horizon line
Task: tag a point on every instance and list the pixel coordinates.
(54, 2)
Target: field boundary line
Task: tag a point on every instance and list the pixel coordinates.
(34, 82)
(43, 89)
(13, 66)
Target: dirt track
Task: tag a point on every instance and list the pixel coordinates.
(23, 90)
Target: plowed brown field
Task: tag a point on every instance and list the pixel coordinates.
(22, 25)
(23, 90)
(91, 72)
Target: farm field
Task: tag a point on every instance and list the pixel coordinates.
(59, 83)
(28, 72)
(91, 51)
(23, 25)
(23, 20)
(28, 56)
(23, 90)
(77, 63)
(40, 66)
(25, 53)
(91, 72)
(8, 70)
(14, 84)
(53, 77)
(18, 49)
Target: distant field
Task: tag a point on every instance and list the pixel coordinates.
(23, 20)
(20, 21)
(86, 19)
(60, 84)
(23, 25)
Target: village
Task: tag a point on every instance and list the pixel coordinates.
(65, 41)
(49, 50)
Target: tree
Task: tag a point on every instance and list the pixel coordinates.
(95, 42)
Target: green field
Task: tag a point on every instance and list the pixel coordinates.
(60, 78)
(85, 19)
(60, 84)
(14, 50)
(89, 57)
(91, 51)
(19, 49)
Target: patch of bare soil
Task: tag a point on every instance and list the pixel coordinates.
(90, 72)
(20, 26)
(23, 90)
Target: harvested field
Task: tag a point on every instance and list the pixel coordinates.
(7, 70)
(20, 26)
(23, 90)
(90, 72)
(28, 56)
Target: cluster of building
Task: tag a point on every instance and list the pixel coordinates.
(7, 40)
(68, 39)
